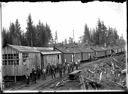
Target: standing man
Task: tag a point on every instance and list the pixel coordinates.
(53, 71)
(34, 74)
(38, 72)
(49, 69)
(27, 76)
(44, 73)
(64, 68)
(76, 64)
(60, 70)
(68, 67)
(72, 66)
(113, 52)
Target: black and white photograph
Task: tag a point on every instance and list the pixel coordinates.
(63, 46)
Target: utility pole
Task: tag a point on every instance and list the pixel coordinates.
(56, 37)
(73, 36)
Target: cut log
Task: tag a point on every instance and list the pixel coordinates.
(74, 75)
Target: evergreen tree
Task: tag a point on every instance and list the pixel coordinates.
(5, 40)
(86, 37)
(17, 33)
(30, 33)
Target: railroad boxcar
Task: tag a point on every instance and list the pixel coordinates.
(52, 57)
(117, 49)
(108, 52)
(99, 52)
(16, 59)
(76, 54)
(69, 54)
(122, 49)
(86, 54)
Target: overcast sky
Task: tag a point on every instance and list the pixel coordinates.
(64, 17)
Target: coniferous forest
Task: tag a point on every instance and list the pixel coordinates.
(40, 35)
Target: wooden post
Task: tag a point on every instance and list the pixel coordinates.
(14, 73)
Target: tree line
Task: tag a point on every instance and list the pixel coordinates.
(101, 35)
(36, 35)
(40, 35)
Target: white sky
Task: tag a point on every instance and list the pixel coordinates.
(64, 17)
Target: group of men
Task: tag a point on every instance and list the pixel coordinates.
(62, 69)
(51, 70)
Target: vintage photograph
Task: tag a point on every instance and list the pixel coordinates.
(63, 46)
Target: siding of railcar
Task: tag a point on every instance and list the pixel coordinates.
(52, 59)
(7, 69)
(20, 69)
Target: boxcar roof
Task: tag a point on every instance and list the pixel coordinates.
(30, 49)
(98, 48)
(83, 49)
(44, 48)
(50, 52)
(66, 49)
(23, 48)
(108, 48)
(116, 47)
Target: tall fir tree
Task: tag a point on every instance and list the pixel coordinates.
(30, 33)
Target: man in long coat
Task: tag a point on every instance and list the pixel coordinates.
(34, 74)
(60, 69)
(48, 68)
(27, 76)
(53, 71)
(44, 73)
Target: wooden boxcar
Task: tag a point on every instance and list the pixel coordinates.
(99, 51)
(16, 59)
(52, 57)
(108, 51)
(69, 54)
(123, 49)
(86, 54)
(76, 53)
(117, 49)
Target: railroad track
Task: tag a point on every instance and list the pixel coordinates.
(47, 84)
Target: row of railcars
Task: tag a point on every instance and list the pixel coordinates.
(17, 59)
(75, 53)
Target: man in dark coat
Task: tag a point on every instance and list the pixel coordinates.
(48, 69)
(60, 69)
(27, 76)
(72, 66)
(34, 74)
(38, 72)
(64, 68)
(113, 52)
(53, 71)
